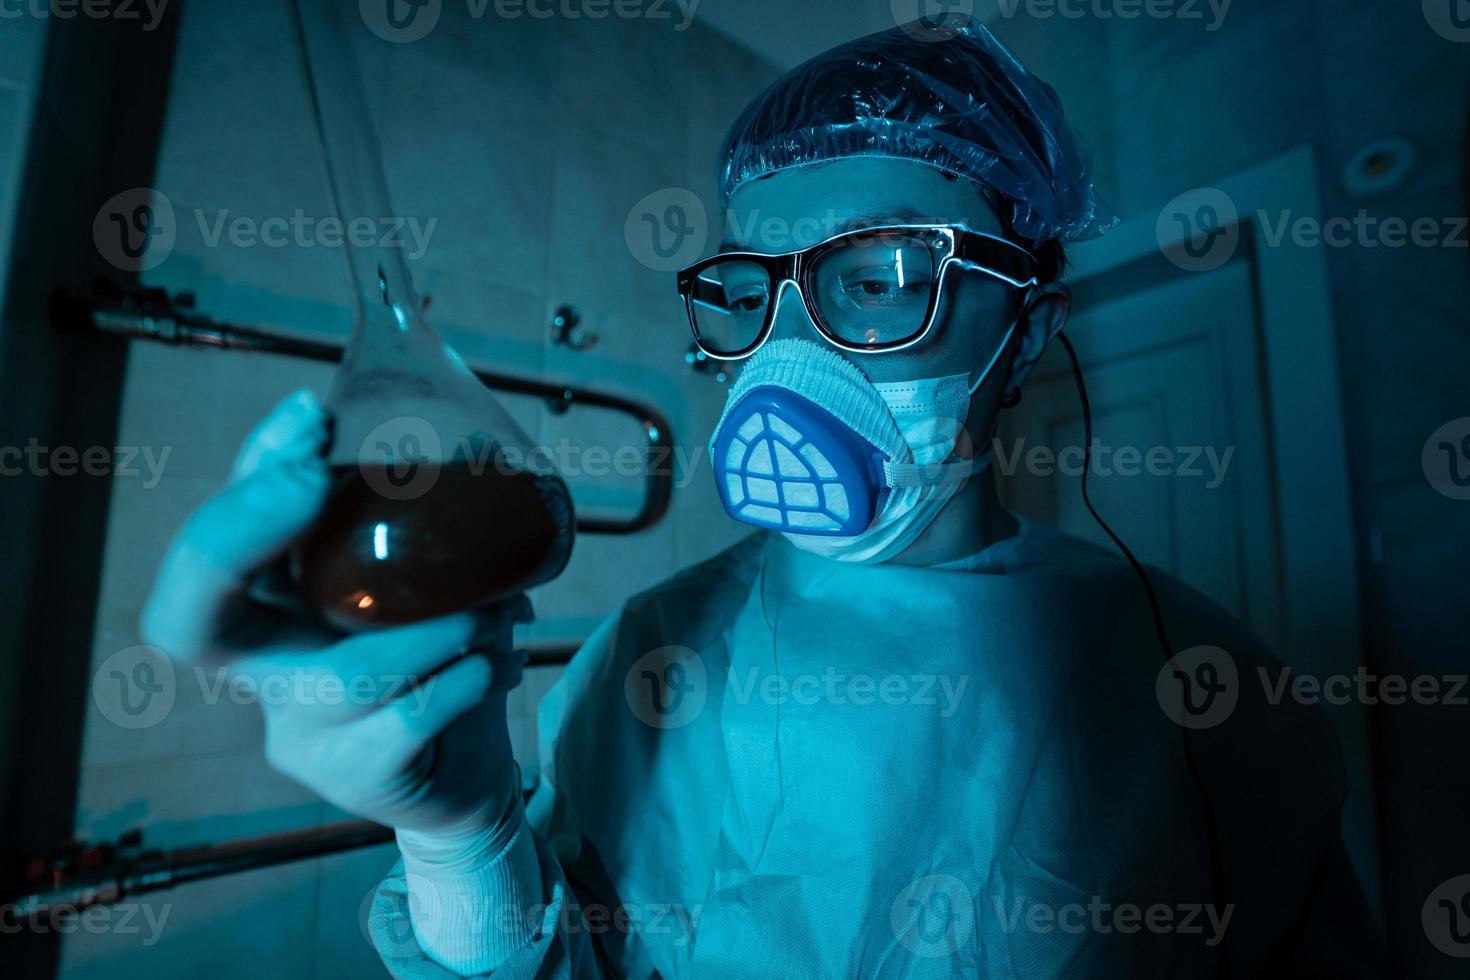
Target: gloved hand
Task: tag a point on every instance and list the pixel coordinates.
(404, 726)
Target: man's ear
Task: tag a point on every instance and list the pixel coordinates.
(1043, 317)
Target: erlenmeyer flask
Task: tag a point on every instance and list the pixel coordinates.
(438, 503)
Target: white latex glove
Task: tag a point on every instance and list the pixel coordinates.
(430, 755)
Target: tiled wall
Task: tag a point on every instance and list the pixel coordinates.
(1170, 106)
(530, 141)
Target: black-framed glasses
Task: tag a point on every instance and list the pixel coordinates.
(869, 291)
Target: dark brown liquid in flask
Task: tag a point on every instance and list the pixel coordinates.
(397, 544)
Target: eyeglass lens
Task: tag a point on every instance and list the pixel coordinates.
(868, 290)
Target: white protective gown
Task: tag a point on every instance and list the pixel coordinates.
(775, 765)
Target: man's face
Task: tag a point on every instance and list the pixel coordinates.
(798, 208)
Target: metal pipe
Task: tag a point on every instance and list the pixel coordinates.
(154, 315)
(121, 876)
(112, 873)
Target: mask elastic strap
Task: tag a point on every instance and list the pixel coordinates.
(998, 351)
(901, 476)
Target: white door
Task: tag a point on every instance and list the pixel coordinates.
(1180, 468)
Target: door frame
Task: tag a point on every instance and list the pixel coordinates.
(1305, 423)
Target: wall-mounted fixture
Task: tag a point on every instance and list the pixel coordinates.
(566, 329)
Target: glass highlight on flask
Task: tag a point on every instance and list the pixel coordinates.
(437, 502)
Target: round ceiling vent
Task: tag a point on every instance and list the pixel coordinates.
(1382, 167)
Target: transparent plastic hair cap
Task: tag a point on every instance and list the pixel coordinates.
(945, 93)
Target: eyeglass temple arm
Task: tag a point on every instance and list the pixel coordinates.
(999, 258)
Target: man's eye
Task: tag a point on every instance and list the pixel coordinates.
(747, 300)
(882, 286)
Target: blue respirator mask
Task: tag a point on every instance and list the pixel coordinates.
(845, 468)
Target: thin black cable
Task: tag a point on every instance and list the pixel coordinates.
(1217, 863)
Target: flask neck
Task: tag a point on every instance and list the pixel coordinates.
(382, 288)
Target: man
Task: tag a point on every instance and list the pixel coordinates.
(903, 733)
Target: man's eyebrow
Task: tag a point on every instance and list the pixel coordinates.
(863, 220)
(858, 221)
